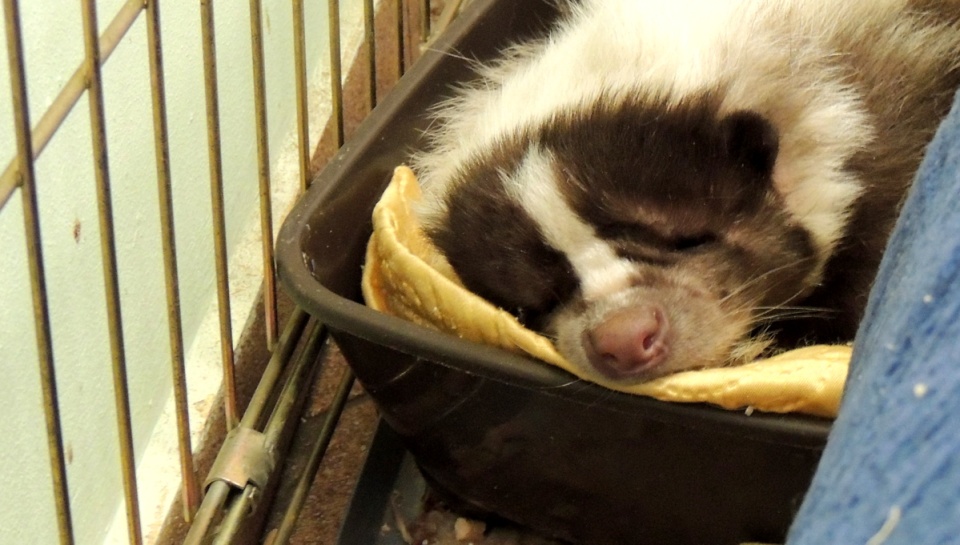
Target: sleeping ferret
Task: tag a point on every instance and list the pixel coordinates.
(662, 185)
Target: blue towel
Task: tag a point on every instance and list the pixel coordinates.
(891, 471)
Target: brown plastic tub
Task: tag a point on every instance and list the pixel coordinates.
(499, 433)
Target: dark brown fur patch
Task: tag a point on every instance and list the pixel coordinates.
(676, 159)
(497, 249)
(683, 187)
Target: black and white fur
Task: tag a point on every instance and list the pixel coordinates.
(663, 185)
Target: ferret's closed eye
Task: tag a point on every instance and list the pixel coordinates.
(694, 243)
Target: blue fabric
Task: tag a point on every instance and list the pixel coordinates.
(894, 454)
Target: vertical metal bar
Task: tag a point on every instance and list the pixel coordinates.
(317, 453)
(216, 199)
(424, 21)
(189, 486)
(336, 73)
(401, 50)
(111, 285)
(300, 66)
(38, 286)
(370, 44)
(263, 162)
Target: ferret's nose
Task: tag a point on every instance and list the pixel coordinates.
(628, 343)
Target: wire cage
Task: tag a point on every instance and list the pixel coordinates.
(166, 252)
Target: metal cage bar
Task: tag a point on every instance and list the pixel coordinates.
(450, 10)
(41, 314)
(401, 41)
(370, 45)
(278, 361)
(111, 284)
(210, 85)
(317, 453)
(218, 490)
(20, 174)
(424, 21)
(190, 489)
(294, 388)
(263, 162)
(68, 97)
(246, 497)
(336, 71)
(300, 68)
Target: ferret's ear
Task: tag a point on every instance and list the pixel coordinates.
(751, 141)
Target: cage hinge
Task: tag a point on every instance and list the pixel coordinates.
(244, 459)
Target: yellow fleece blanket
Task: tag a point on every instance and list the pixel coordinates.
(406, 276)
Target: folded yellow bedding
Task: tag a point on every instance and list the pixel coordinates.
(406, 276)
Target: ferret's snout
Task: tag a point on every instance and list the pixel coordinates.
(628, 343)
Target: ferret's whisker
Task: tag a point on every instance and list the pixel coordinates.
(759, 278)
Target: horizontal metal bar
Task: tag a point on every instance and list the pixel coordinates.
(317, 453)
(218, 491)
(244, 458)
(240, 508)
(278, 361)
(68, 97)
(294, 389)
(295, 385)
(212, 504)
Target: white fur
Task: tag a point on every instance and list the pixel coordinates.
(600, 270)
(644, 49)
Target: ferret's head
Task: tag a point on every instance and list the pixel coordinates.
(644, 239)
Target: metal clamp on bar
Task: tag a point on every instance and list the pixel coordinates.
(244, 459)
